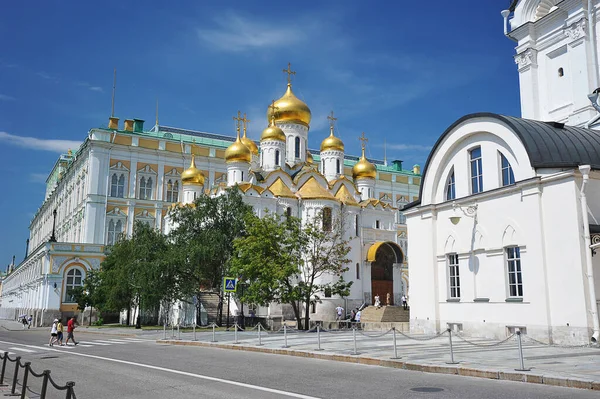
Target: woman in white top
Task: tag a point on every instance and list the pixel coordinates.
(53, 333)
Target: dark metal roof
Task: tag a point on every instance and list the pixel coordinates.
(548, 144)
(513, 5)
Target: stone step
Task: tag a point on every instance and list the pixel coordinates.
(396, 314)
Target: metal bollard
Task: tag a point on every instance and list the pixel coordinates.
(165, 331)
(354, 339)
(451, 348)
(178, 332)
(319, 338)
(172, 330)
(24, 384)
(235, 336)
(213, 338)
(522, 362)
(195, 339)
(259, 336)
(45, 384)
(16, 375)
(70, 394)
(285, 345)
(395, 346)
(3, 369)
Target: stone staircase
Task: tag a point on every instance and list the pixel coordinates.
(385, 314)
(210, 301)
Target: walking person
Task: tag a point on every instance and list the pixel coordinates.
(53, 332)
(70, 328)
(377, 302)
(340, 313)
(29, 320)
(24, 321)
(404, 303)
(59, 333)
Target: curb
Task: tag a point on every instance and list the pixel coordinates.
(399, 364)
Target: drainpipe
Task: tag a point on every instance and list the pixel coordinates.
(505, 14)
(112, 140)
(592, 30)
(585, 172)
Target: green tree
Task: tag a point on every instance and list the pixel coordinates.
(286, 261)
(203, 240)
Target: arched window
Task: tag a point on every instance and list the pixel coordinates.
(115, 228)
(297, 147)
(337, 166)
(172, 191)
(277, 157)
(327, 219)
(74, 279)
(242, 179)
(451, 187)
(288, 211)
(114, 181)
(356, 225)
(358, 271)
(508, 176)
(145, 188)
(121, 186)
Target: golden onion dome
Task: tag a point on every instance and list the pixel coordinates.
(363, 168)
(290, 108)
(238, 152)
(249, 143)
(309, 158)
(272, 132)
(332, 143)
(192, 176)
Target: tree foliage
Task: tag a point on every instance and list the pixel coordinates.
(288, 262)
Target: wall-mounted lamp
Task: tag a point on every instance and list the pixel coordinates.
(470, 211)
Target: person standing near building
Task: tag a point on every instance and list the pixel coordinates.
(377, 302)
(29, 320)
(70, 328)
(404, 303)
(340, 313)
(53, 332)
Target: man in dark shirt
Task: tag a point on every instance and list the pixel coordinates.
(70, 328)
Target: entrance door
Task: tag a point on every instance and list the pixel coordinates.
(382, 272)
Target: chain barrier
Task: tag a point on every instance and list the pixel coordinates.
(28, 371)
(557, 345)
(486, 345)
(422, 339)
(376, 335)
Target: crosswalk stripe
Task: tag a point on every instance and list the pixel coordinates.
(97, 343)
(109, 342)
(10, 353)
(136, 340)
(119, 341)
(85, 346)
(22, 349)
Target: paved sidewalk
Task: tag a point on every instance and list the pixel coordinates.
(577, 367)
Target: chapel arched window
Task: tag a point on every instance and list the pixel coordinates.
(297, 147)
(74, 280)
(277, 157)
(327, 219)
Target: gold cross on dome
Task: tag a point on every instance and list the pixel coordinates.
(238, 119)
(332, 119)
(364, 140)
(273, 109)
(245, 122)
(289, 72)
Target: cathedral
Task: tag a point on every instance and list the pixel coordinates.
(123, 174)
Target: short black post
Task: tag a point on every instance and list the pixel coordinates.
(24, 386)
(45, 384)
(521, 361)
(451, 348)
(70, 385)
(4, 359)
(14, 384)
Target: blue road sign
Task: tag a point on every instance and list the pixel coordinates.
(229, 284)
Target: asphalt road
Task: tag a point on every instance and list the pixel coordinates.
(111, 366)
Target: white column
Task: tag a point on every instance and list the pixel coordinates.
(528, 83)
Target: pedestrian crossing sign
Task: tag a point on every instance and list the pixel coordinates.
(229, 284)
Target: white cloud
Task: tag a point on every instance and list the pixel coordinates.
(236, 33)
(96, 88)
(38, 177)
(90, 87)
(33, 143)
(402, 147)
(46, 76)
(4, 97)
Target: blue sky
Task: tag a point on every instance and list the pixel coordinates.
(400, 71)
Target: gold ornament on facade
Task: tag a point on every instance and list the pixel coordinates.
(363, 168)
(192, 176)
(290, 107)
(309, 158)
(332, 143)
(238, 152)
(273, 132)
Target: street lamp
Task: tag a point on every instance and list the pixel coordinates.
(469, 211)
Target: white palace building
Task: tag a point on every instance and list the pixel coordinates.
(505, 231)
(125, 173)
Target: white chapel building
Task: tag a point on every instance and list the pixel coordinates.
(504, 233)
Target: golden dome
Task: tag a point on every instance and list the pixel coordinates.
(363, 168)
(272, 132)
(249, 143)
(290, 108)
(192, 176)
(238, 152)
(309, 158)
(332, 143)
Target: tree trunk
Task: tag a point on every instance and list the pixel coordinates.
(307, 314)
(296, 313)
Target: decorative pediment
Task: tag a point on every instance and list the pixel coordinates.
(344, 195)
(280, 189)
(119, 166)
(275, 175)
(313, 189)
(116, 212)
(173, 173)
(144, 214)
(147, 170)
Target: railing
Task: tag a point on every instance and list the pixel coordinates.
(44, 375)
